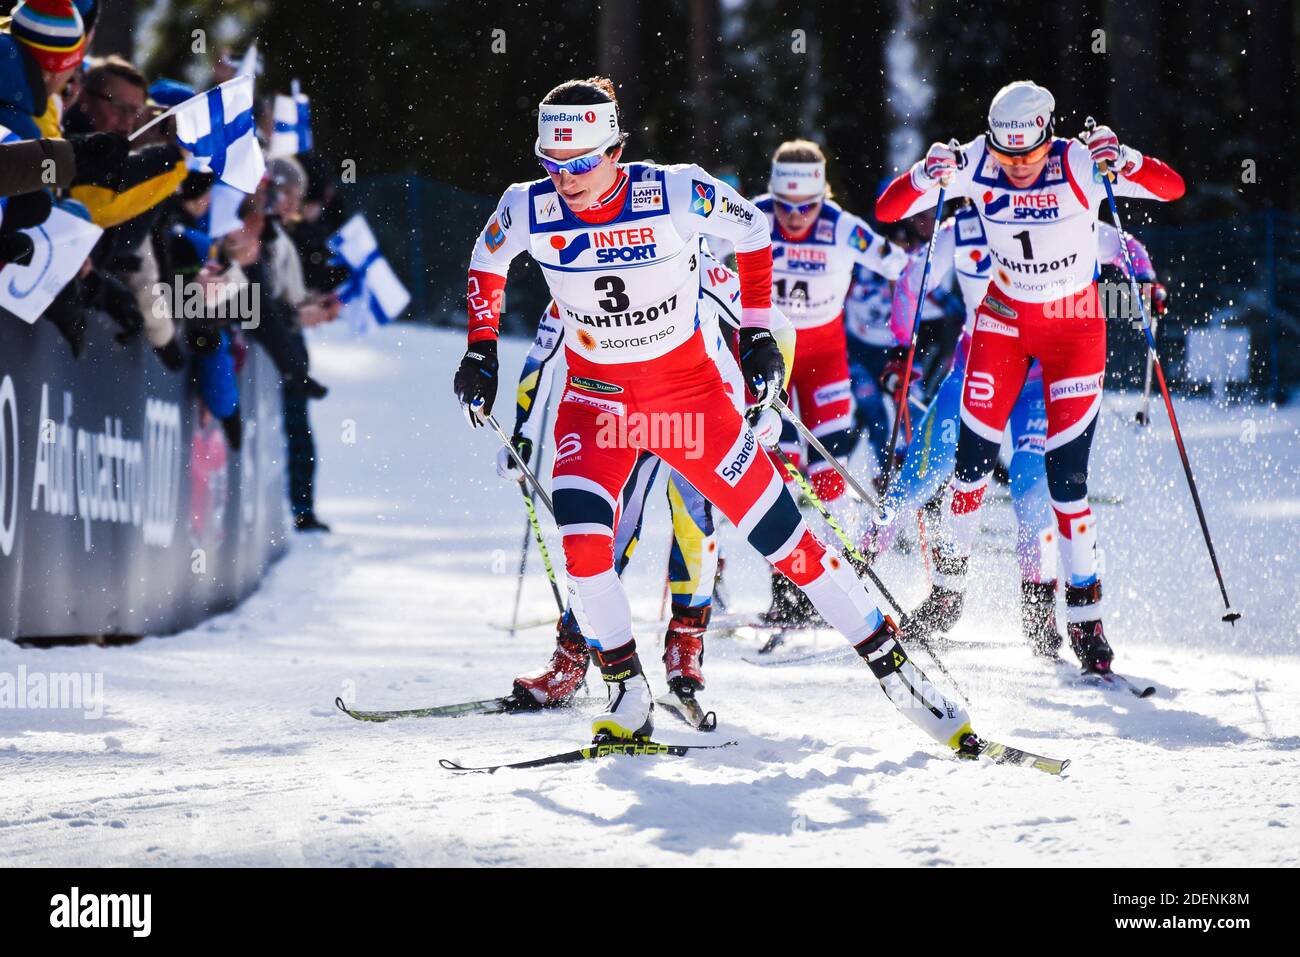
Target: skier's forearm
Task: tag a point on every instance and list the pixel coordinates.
(1158, 179)
(486, 291)
(901, 199)
(22, 165)
(755, 269)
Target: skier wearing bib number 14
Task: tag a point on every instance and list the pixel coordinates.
(618, 244)
(1037, 196)
(815, 246)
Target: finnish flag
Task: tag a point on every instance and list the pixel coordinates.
(217, 127)
(292, 133)
(372, 289)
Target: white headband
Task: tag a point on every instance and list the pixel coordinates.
(561, 127)
(797, 180)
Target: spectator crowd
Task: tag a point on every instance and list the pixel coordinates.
(185, 267)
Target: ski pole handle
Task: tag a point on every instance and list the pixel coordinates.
(1090, 124)
(953, 145)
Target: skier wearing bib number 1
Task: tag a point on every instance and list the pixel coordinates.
(619, 247)
(1037, 196)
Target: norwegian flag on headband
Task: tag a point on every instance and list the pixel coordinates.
(1015, 139)
(564, 135)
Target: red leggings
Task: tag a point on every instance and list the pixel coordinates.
(1068, 338)
(822, 394)
(676, 408)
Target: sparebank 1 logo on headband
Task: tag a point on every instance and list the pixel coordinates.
(588, 117)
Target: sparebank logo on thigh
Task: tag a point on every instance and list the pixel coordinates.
(1075, 388)
(833, 392)
(736, 461)
(130, 911)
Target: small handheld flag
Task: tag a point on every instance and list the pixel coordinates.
(217, 127)
(372, 289)
(248, 66)
(292, 133)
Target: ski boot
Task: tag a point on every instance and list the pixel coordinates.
(942, 608)
(1038, 617)
(916, 697)
(970, 747)
(683, 657)
(1086, 636)
(629, 714)
(790, 608)
(557, 683)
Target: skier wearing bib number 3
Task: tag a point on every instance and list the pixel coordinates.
(619, 247)
(1037, 196)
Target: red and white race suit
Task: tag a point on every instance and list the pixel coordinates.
(625, 277)
(1041, 303)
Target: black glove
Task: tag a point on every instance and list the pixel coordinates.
(506, 467)
(762, 365)
(16, 248)
(28, 210)
(98, 155)
(69, 317)
(476, 379)
(171, 355)
(1159, 299)
(107, 292)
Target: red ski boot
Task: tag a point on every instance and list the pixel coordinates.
(557, 683)
(1083, 603)
(683, 658)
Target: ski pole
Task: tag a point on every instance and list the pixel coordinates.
(861, 560)
(541, 547)
(916, 328)
(812, 440)
(859, 563)
(528, 501)
(1231, 615)
(1144, 415)
(519, 583)
(523, 551)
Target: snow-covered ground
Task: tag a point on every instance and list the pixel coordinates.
(222, 746)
